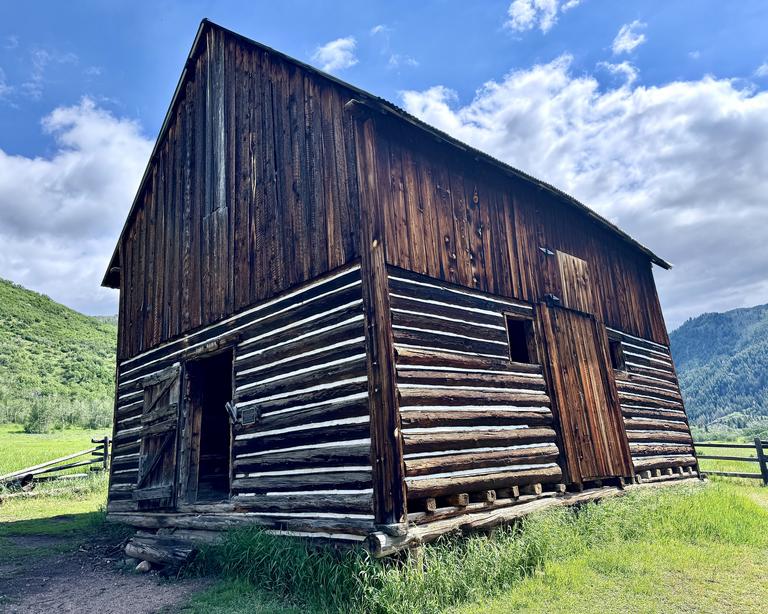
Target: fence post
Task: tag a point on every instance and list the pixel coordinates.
(105, 442)
(761, 457)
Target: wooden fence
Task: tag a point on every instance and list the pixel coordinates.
(98, 461)
(760, 458)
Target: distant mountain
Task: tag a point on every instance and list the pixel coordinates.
(50, 352)
(722, 363)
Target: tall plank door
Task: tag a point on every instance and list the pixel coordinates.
(594, 442)
(156, 483)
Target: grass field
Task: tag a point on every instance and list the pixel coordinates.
(699, 548)
(707, 464)
(19, 449)
(75, 497)
(694, 548)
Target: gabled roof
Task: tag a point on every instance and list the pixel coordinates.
(383, 106)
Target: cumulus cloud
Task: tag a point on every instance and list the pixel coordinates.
(624, 70)
(336, 55)
(682, 166)
(628, 38)
(379, 29)
(60, 216)
(525, 15)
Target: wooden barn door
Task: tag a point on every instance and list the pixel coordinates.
(594, 442)
(156, 484)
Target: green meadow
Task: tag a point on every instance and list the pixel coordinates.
(697, 547)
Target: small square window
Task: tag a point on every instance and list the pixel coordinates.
(520, 336)
(617, 355)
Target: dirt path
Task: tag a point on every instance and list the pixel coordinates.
(73, 577)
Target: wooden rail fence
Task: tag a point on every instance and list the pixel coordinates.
(760, 458)
(50, 470)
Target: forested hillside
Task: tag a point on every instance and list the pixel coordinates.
(722, 362)
(56, 365)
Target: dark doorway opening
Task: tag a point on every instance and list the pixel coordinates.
(209, 383)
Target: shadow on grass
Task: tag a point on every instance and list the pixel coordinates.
(56, 534)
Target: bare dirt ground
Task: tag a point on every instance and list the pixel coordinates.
(69, 576)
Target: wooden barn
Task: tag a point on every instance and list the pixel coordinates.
(339, 322)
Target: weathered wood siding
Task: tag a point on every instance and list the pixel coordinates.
(585, 399)
(309, 451)
(471, 419)
(654, 416)
(302, 461)
(453, 218)
(251, 191)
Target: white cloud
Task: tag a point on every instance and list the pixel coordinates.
(762, 70)
(694, 55)
(60, 216)
(379, 29)
(624, 69)
(528, 14)
(628, 37)
(396, 61)
(682, 166)
(336, 55)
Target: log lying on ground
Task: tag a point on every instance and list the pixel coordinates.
(160, 550)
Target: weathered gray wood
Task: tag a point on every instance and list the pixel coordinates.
(443, 486)
(460, 462)
(161, 551)
(460, 499)
(642, 464)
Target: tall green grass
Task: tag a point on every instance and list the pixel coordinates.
(455, 571)
(19, 449)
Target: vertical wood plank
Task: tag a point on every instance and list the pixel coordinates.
(386, 440)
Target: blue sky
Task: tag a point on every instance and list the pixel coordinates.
(632, 125)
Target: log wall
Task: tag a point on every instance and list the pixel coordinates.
(301, 458)
(654, 416)
(471, 420)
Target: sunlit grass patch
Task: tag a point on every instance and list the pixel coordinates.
(628, 543)
(19, 450)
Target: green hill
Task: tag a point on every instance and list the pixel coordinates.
(722, 362)
(56, 365)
